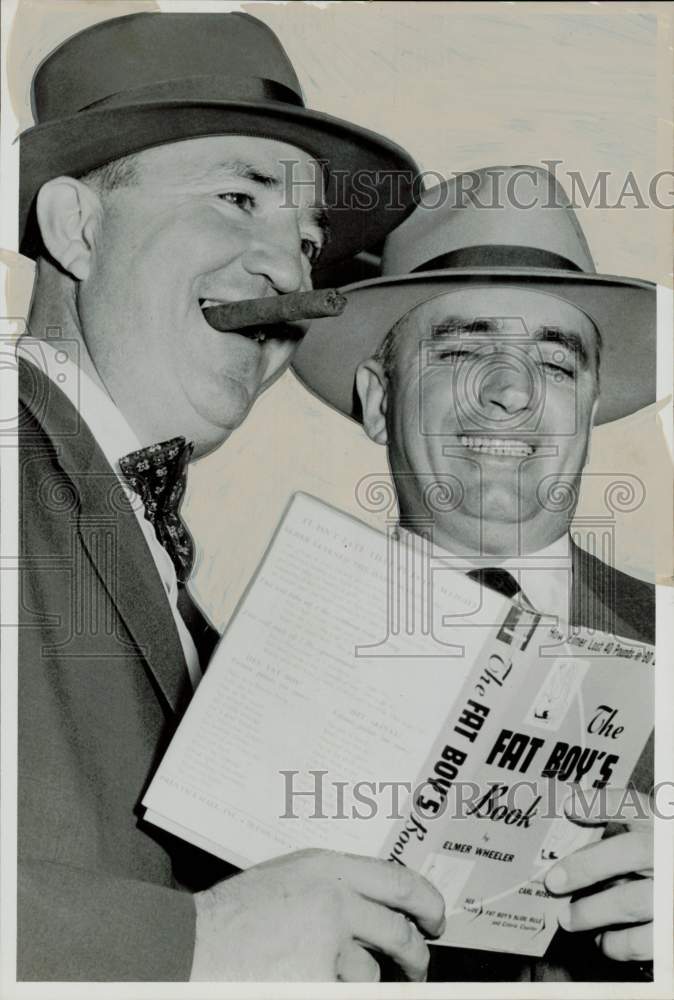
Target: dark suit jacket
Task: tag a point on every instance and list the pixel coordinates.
(102, 684)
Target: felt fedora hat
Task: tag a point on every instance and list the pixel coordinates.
(496, 225)
(141, 80)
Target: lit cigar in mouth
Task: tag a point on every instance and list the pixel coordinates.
(251, 316)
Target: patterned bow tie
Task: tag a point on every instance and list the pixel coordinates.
(158, 474)
(502, 582)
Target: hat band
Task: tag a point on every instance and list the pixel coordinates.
(498, 255)
(207, 89)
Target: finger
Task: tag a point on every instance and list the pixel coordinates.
(627, 903)
(620, 855)
(632, 944)
(397, 887)
(592, 806)
(356, 965)
(390, 932)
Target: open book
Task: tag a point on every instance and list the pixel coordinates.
(368, 698)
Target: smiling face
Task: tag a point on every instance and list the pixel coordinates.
(205, 221)
(492, 391)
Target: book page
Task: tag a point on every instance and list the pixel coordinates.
(335, 676)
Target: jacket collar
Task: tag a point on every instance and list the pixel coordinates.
(595, 597)
(128, 574)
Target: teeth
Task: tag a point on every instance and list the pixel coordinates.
(497, 446)
(205, 303)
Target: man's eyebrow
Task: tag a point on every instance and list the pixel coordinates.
(451, 325)
(566, 338)
(239, 168)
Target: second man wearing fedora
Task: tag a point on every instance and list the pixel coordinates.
(481, 359)
(151, 185)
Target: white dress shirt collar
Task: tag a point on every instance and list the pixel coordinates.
(545, 576)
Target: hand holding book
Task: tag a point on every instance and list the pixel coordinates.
(620, 868)
(310, 916)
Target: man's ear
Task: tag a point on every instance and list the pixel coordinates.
(372, 388)
(69, 214)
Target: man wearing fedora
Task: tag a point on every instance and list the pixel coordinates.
(481, 359)
(152, 185)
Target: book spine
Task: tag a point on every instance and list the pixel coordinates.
(458, 749)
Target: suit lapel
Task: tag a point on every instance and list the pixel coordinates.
(593, 601)
(110, 534)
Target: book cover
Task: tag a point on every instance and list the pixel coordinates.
(367, 698)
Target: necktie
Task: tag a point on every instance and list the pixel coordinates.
(158, 474)
(502, 582)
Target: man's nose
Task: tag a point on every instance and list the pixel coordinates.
(276, 255)
(506, 387)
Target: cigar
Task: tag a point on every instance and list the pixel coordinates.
(275, 310)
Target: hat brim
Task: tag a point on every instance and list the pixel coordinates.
(360, 216)
(624, 310)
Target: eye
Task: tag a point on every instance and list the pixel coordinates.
(556, 361)
(241, 199)
(450, 356)
(311, 250)
(556, 371)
